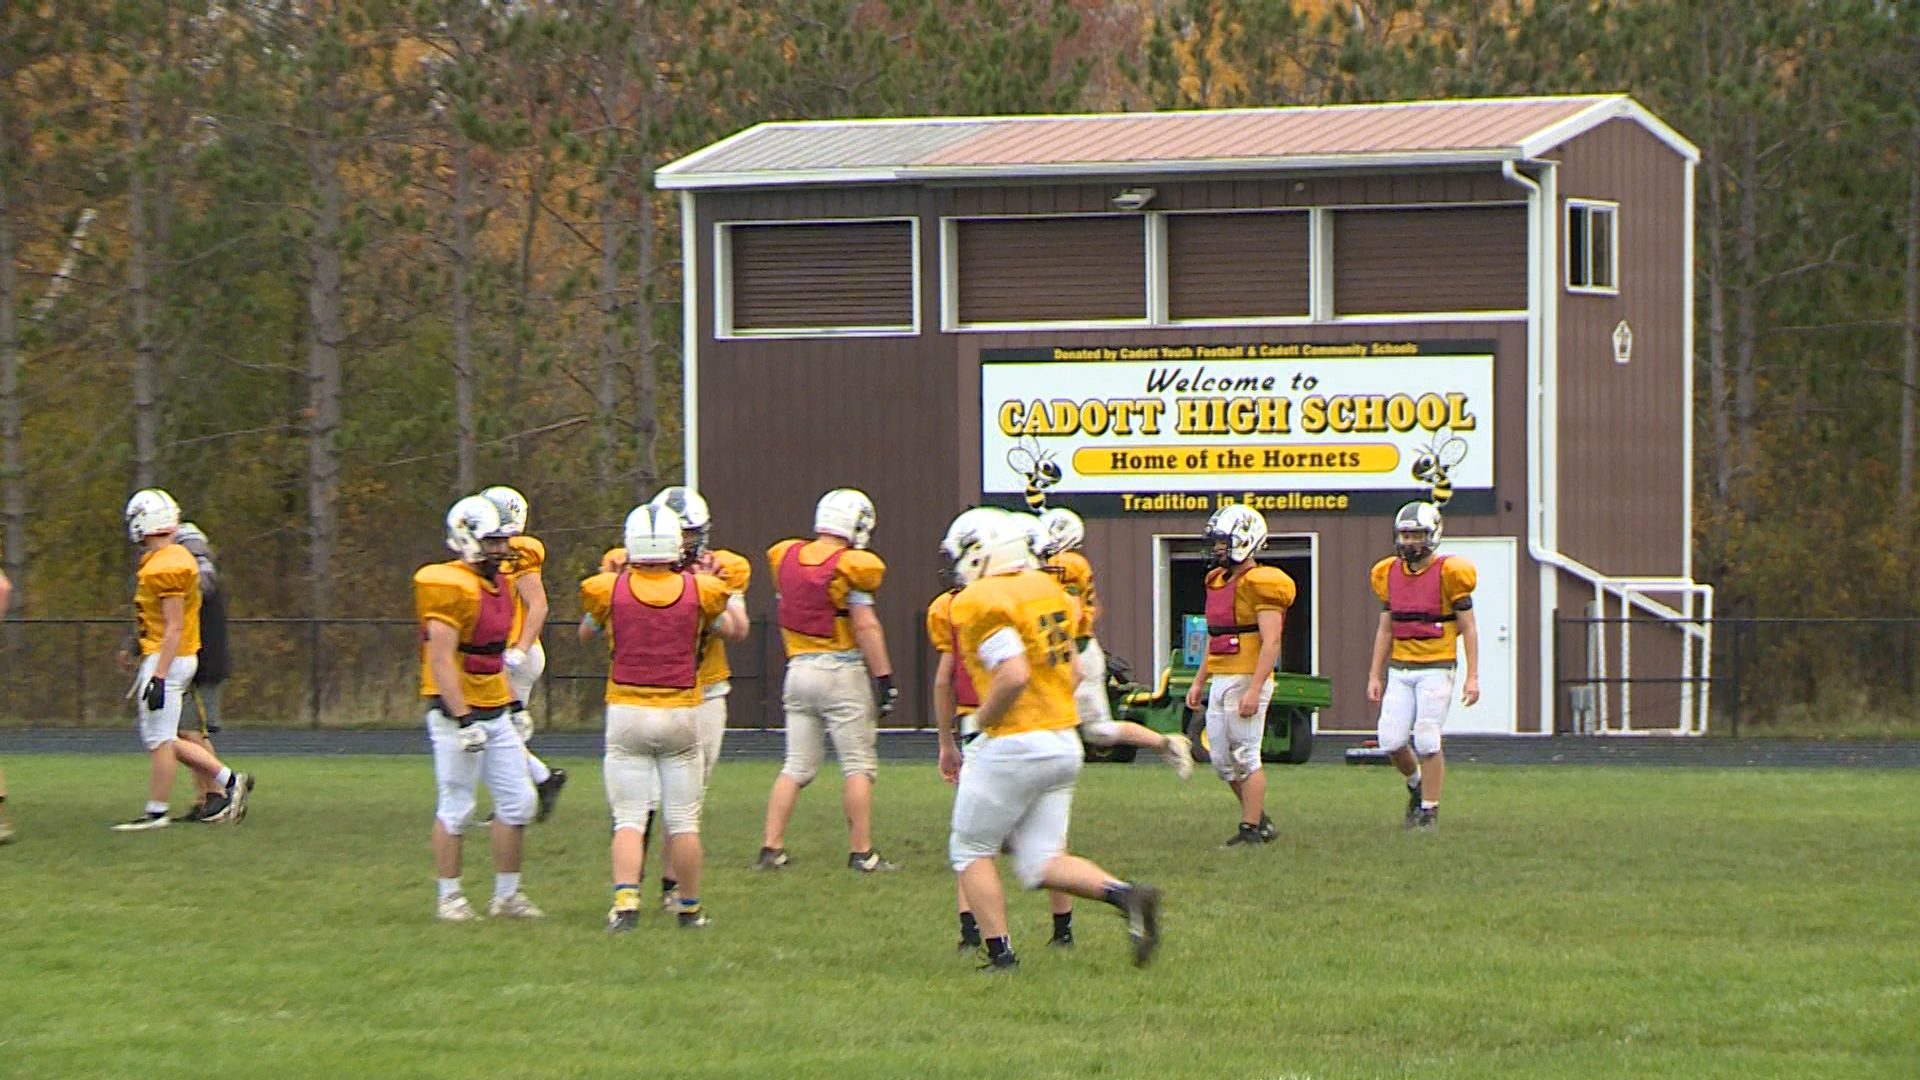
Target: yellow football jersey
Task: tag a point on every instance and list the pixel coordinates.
(940, 632)
(1033, 605)
(1262, 588)
(940, 621)
(857, 571)
(1457, 579)
(1076, 575)
(165, 573)
(655, 586)
(735, 571)
(528, 556)
(450, 593)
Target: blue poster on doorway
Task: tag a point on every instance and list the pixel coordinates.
(1194, 641)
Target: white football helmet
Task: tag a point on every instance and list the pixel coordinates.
(653, 536)
(692, 511)
(512, 506)
(470, 523)
(1005, 548)
(1062, 530)
(847, 514)
(1235, 532)
(1416, 531)
(966, 533)
(150, 512)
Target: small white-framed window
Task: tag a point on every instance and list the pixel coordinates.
(1593, 247)
(817, 278)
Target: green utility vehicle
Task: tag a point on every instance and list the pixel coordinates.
(1163, 708)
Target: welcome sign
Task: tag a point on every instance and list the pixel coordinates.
(1278, 426)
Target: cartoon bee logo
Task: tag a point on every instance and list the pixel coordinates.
(1037, 467)
(1434, 463)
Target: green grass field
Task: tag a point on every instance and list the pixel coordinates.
(1578, 923)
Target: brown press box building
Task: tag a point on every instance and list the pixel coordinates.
(1146, 316)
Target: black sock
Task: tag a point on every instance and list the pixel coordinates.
(998, 947)
(969, 929)
(1117, 893)
(667, 884)
(1063, 924)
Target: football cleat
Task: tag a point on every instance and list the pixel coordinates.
(1179, 754)
(693, 920)
(670, 901)
(1267, 831)
(1413, 804)
(455, 909)
(198, 812)
(622, 920)
(516, 906)
(1247, 836)
(1143, 922)
(1061, 941)
(144, 822)
(1427, 819)
(549, 792)
(772, 859)
(869, 862)
(1004, 962)
(238, 789)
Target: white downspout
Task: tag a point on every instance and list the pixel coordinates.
(1540, 263)
(689, 343)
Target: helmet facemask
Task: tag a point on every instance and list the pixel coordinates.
(1222, 548)
(1412, 545)
(693, 544)
(1416, 532)
(493, 552)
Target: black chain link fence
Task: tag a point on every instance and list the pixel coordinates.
(288, 673)
(1770, 676)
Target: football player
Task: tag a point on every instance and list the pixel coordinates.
(839, 680)
(526, 659)
(166, 604)
(1246, 611)
(211, 674)
(1427, 621)
(656, 614)
(955, 700)
(1016, 785)
(465, 609)
(699, 556)
(1061, 534)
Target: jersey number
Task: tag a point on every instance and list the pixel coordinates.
(1059, 642)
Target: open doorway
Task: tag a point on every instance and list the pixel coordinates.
(1180, 570)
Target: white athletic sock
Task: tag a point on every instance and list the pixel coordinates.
(225, 777)
(156, 807)
(537, 769)
(449, 886)
(505, 885)
(1428, 804)
(1414, 780)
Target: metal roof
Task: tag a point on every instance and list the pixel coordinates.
(1229, 140)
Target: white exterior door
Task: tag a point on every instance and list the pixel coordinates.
(1496, 611)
